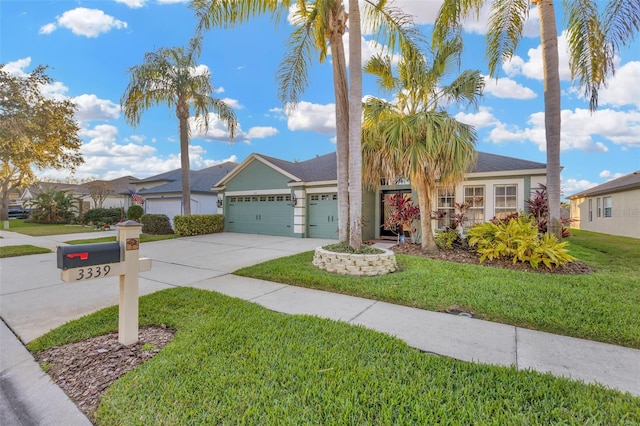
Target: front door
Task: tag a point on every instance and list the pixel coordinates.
(385, 209)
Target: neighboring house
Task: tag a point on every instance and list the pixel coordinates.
(266, 195)
(610, 208)
(88, 195)
(163, 193)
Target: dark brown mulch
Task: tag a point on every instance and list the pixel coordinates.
(85, 369)
(466, 255)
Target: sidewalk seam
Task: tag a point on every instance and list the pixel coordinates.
(363, 311)
(515, 336)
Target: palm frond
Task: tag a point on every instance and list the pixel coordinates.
(450, 17)
(229, 13)
(621, 22)
(391, 26)
(380, 66)
(505, 31)
(590, 56)
(292, 72)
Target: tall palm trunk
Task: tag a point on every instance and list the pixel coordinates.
(182, 111)
(552, 110)
(355, 126)
(340, 87)
(425, 195)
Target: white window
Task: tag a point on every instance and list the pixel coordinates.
(591, 209)
(506, 200)
(474, 199)
(445, 207)
(607, 206)
(599, 209)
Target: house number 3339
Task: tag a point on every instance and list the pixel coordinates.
(93, 272)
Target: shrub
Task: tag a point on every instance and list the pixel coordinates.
(446, 239)
(52, 206)
(198, 224)
(100, 216)
(518, 239)
(157, 224)
(135, 212)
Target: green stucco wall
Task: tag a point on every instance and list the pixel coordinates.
(257, 176)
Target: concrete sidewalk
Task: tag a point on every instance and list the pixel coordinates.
(35, 300)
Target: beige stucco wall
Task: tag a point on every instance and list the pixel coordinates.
(625, 214)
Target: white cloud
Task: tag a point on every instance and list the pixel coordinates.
(90, 108)
(48, 28)
(133, 4)
(581, 130)
(260, 132)
(606, 174)
(85, 22)
(233, 103)
(507, 88)
(623, 88)
(573, 186)
(482, 118)
(313, 117)
(16, 68)
(217, 130)
(532, 68)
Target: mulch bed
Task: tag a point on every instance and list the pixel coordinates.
(84, 370)
(466, 255)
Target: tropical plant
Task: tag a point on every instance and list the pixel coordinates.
(596, 32)
(321, 24)
(519, 240)
(447, 238)
(414, 137)
(52, 206)
(36, 132)
(401, 213)
(171, 77)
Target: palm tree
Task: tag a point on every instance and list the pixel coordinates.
(594, 36)
(414, 137)
(168, 76)
(317, 23)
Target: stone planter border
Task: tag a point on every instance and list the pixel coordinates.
(355, 264)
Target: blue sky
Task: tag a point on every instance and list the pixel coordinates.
(90, 45)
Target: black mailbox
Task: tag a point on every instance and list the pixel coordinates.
(88, 254)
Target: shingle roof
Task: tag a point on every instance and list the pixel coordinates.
(323, 167)
(499, 163)
(624, 183)
(200, 180)
(319, 168)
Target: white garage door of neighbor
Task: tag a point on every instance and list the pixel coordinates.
(168, 206)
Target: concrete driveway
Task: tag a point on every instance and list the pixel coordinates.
(34, 300)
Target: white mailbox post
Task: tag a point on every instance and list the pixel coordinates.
(91, 261)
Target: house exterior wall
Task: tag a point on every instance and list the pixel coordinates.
(255, 177)
(525, 185)
(624, 219)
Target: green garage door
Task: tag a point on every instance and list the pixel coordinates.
(323, 215)
(260, 214)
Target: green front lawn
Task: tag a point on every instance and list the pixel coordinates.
(601, 306)
(144, 238)
(42, 230)
(22, 250)
(235, 362)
